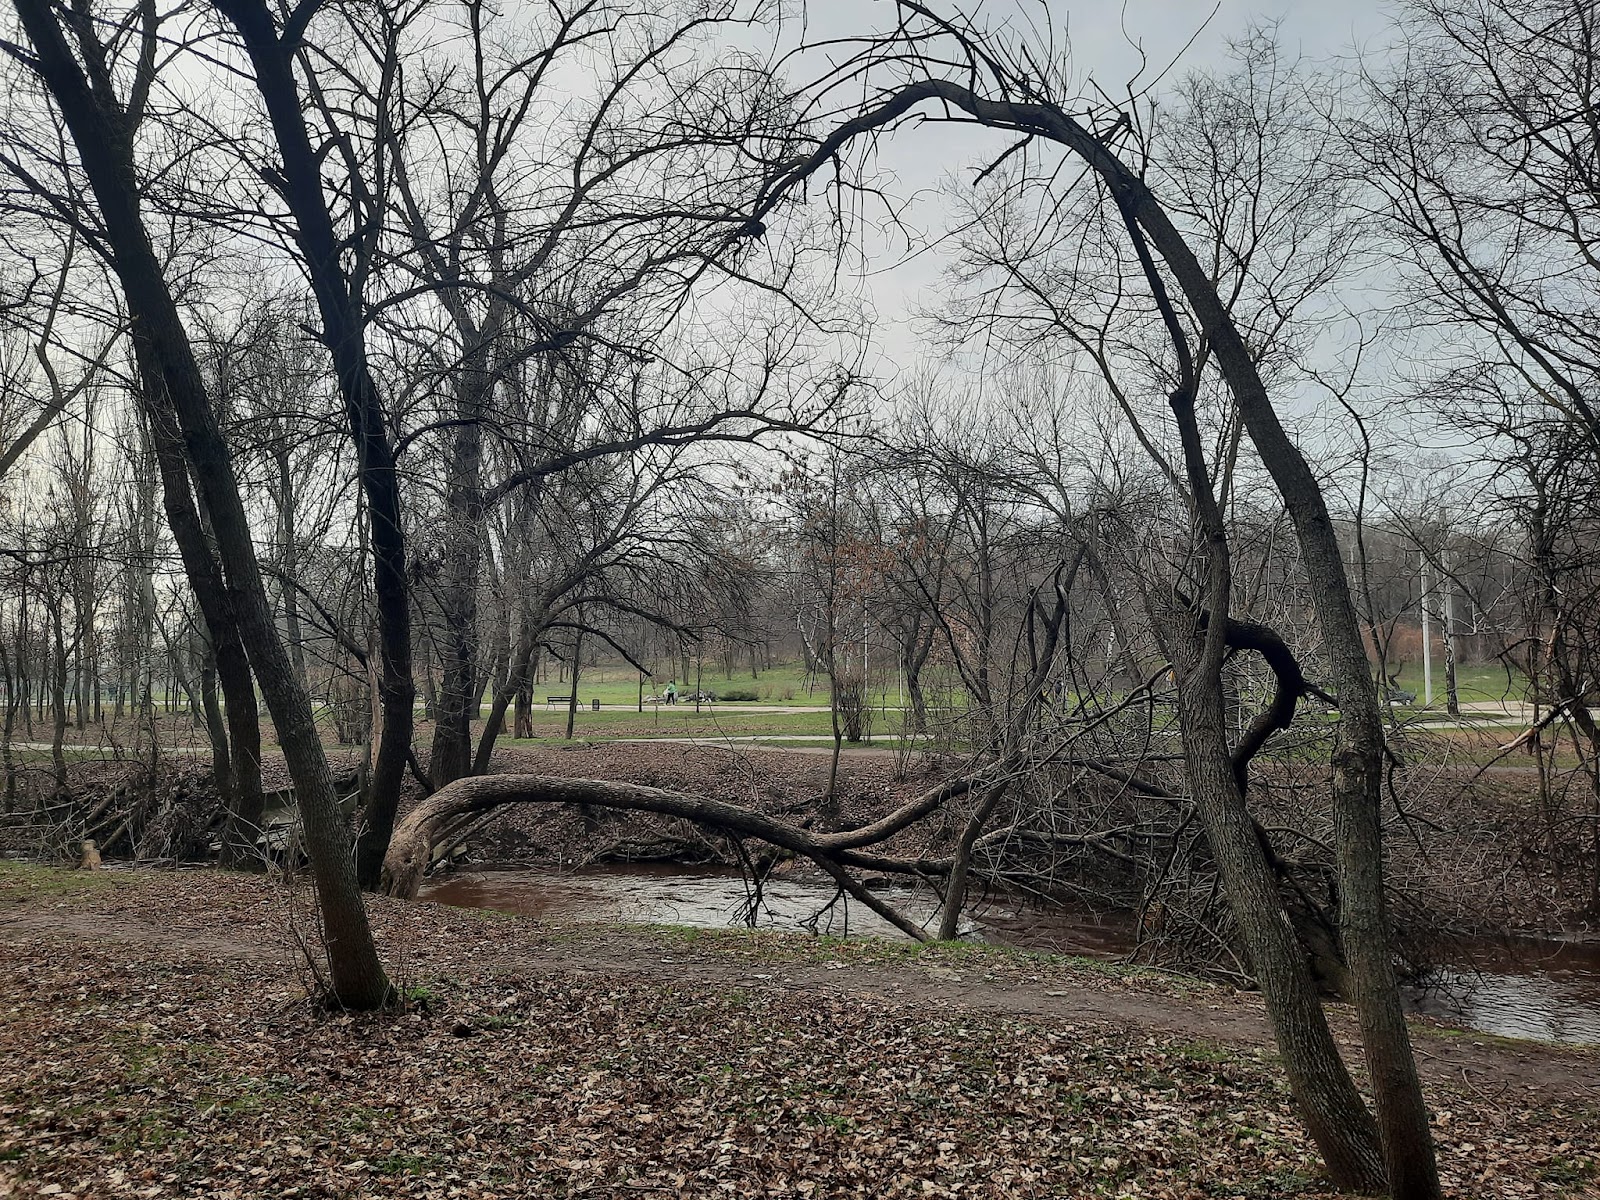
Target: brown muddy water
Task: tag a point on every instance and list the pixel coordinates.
(1543, 990)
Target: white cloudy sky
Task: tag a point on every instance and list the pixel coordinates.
(1107, 38)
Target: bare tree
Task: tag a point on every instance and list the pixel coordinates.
(1011, 89)
(102, 125)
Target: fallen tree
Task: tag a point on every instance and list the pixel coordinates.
(439, 818)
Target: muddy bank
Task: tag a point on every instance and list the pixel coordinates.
(1540, 990)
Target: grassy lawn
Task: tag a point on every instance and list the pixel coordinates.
(712, 721)
(785, 683)
(32, 756)
(1475, 684)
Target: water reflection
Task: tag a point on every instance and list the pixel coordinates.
(671, 895)
(1548, 991)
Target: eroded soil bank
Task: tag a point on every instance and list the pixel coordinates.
(157, 1042)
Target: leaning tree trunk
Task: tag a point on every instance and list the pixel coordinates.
(515, 687)
(1356, 768)
(433, 820)
(235, 749)
(955, 892)
(1198, 639)
(175, 391)
(1403, 1122)
(1339, 1122)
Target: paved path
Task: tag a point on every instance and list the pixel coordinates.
(110, 751)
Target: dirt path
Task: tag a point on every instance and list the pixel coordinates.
(449, 941)
(1236, 1019)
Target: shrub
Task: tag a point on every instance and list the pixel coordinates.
(737, 694)
(855, 714)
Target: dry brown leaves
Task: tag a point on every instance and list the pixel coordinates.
(169, 1067)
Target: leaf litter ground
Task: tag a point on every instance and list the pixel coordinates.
(156, 1040)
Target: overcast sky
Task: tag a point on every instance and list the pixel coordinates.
(1106, 39)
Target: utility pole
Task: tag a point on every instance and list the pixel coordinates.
(1427, 639)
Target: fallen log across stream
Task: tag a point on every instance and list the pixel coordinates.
(441, 817)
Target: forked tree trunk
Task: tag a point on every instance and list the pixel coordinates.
(1333, 1110)
(343, 323)
(1356, 768)
(516, 687)
(955, 892)
(1403, 1122)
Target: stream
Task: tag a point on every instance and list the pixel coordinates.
(1525, 988)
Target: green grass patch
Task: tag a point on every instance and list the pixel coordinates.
(34, 756)
(1569, 1172)
(783, 683)
(1477, 684)
(407, 1164)
(25, 882)
(781, 945)
(1201, 1050)
(711, 722)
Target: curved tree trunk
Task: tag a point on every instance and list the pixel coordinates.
(1357, 765)
(513, 688)
(411, 849)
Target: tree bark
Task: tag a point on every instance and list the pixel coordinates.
(411, 850)
(175, 390)
(58, 698)
(236, 753)
(344, 334)
(955, 893)
(289, 559)
(1357, 763)
(516, 687)
(8, 762)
